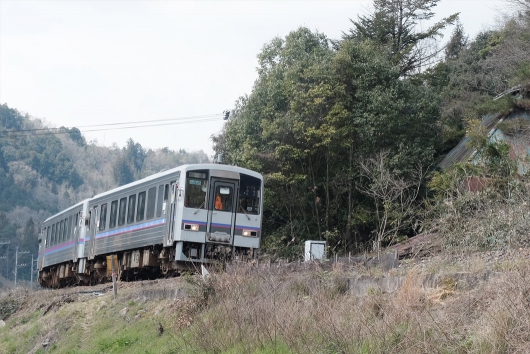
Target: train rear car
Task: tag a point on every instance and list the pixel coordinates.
(61, 243)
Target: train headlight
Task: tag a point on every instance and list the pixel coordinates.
(249, 233)
(191, 227)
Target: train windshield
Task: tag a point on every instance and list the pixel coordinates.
(196, 188)
(249, 195)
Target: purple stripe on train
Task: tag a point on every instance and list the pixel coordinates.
(200, 223)
(59, 247)
(124, 230)
(239, 227)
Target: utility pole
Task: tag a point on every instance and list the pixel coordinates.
(5, 257)
(33, 261)
(16, 263)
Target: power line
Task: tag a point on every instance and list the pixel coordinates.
(170, 121)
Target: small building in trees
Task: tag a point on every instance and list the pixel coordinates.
(512, 128)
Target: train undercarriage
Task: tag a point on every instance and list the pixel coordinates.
(140, 264)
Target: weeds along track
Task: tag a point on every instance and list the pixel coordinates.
(451, 301)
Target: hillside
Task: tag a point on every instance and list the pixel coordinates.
(446, 303)
(44, 169)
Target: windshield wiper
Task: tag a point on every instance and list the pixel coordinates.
(200, 206)
(241, 207)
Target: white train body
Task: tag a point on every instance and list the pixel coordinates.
(173, 220)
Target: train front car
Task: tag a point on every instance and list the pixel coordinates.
(220, 216)
(172, 221)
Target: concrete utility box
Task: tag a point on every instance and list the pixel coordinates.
(314, 250)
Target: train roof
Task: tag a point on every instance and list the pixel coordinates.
(66, 210)
(181, 169)
(161, 175)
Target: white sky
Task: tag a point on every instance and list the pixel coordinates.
(78, 63)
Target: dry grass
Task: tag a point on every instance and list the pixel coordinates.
(278, 310)
(314, 312)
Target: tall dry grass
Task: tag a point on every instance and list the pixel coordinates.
(313, 311)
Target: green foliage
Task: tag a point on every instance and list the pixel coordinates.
(129, 166)
(457, 43)
(394, 24)
(492, 155)
(75, 135)
(135, 154)
(7, 230)
(468, 83)
(42, 152)
(122, 172)
(11, 194)
(313, 113)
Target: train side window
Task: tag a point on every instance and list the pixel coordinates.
(249, 195)
(70, 227)
(123, 209)
(52, 242)
(48, 235)
(65, 230)
(140, 210)
(151, 202)
(113, 213)
(160, 200)
(103, 217)
(60, 233)
(131, 209)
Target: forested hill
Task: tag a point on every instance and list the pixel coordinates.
(44, 170)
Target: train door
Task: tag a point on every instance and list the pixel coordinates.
(222, 211)
(172, 211)
(91, 230)
(74, 230)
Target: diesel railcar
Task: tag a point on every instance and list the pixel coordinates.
(160, 225)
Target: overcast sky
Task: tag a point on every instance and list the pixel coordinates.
(81, 63)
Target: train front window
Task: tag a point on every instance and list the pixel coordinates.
(249, 195)
(223, 198)
(196, 187)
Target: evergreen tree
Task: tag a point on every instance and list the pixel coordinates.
(394, 23)
(122, 172)
(457, 43)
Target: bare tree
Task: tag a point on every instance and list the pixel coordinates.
(520, 4)
(395, 197)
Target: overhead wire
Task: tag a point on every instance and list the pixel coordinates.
(112, 126)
